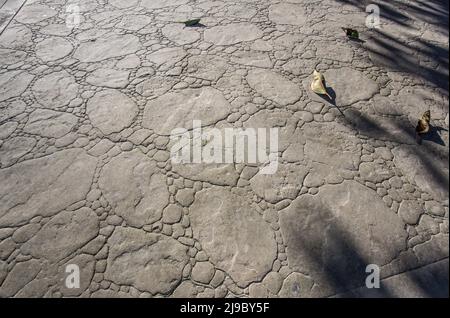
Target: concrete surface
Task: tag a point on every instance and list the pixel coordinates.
(86, 177)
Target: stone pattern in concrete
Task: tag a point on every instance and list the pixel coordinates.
(85, 170)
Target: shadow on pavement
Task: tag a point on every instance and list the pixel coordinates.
(434, 136)
(338, 266)
(425, 59)
(427, 154)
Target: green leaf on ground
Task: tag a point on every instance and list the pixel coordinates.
(189, 23)
(351, 33)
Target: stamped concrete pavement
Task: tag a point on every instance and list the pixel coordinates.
(91, 89)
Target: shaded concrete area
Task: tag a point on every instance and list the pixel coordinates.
(428, 281)
(401, 45)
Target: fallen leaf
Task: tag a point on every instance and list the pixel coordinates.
(351, 33)
(423, 126)
(190, 23)
(318, 86)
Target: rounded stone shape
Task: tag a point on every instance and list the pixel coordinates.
(111, 111)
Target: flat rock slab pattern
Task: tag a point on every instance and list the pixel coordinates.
(89, 98)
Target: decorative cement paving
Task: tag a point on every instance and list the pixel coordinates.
(85, 170)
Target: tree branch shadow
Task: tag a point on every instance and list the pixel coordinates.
(424, 59)
(330, 256)
(406, 135)
(321, 246)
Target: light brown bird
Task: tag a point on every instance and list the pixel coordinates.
(423, 126)
(318, 86)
